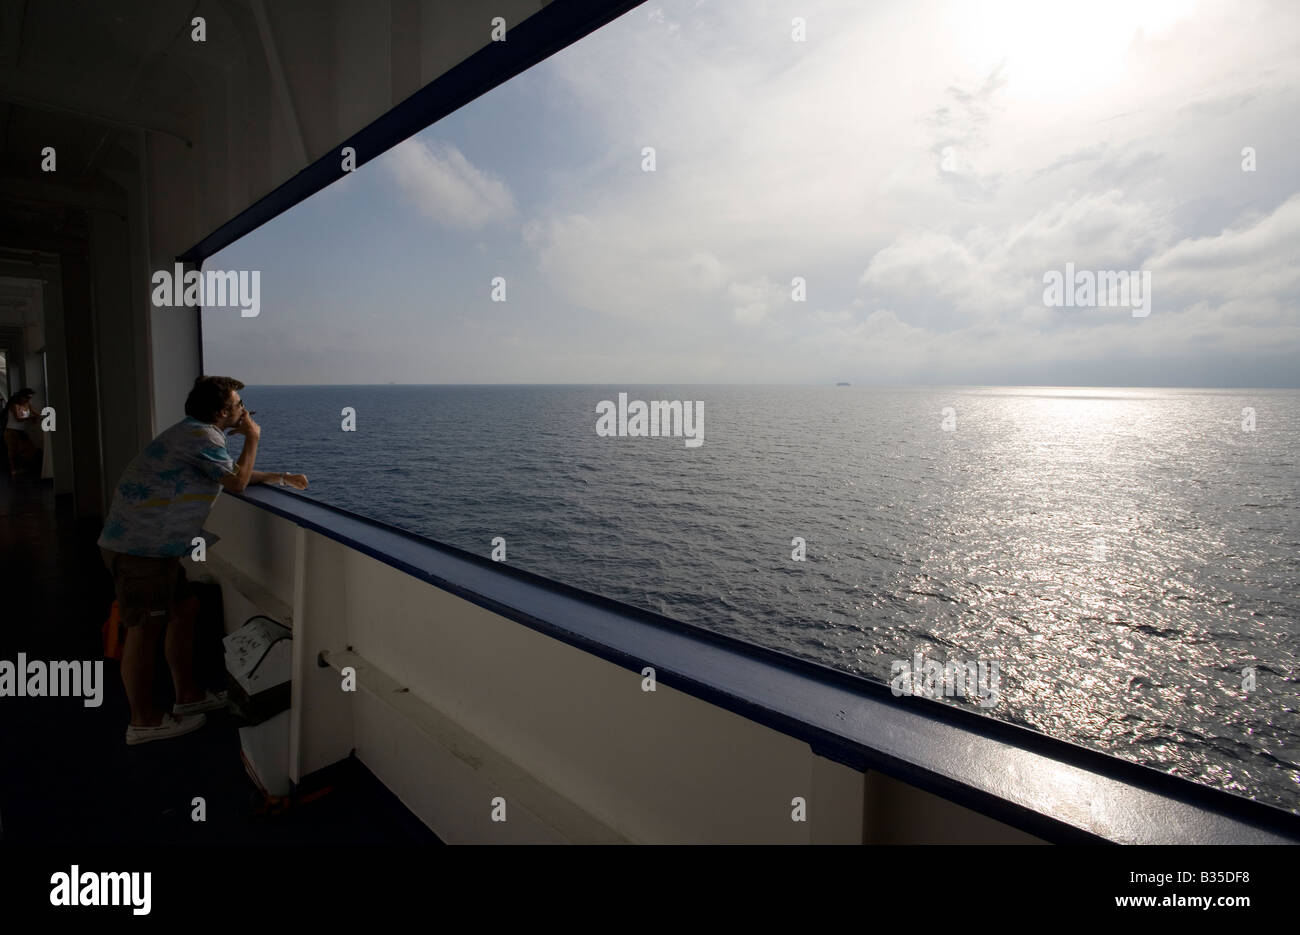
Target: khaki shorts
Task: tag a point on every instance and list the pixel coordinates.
(147, 587)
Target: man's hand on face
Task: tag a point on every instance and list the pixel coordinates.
(247, 427)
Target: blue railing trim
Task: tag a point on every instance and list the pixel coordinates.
(804, 712)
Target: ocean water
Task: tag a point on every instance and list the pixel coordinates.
(1127, 557)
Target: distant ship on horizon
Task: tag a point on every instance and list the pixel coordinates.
(843, 384)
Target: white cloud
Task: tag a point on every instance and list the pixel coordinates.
(444, 185)
(1249, 261)
(752, 301)
(948, 281)
(612, 265)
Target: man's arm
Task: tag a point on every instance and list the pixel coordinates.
(243, 475)
(297, 481)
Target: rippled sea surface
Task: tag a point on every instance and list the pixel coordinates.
(1124, 555)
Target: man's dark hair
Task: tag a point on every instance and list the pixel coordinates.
(209, 396)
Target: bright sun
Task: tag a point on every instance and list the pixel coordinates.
(1055, 50)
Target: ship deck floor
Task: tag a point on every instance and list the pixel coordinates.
(66, 773)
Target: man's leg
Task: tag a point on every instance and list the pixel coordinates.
(144, 587)
(180, 650)
(139, 657)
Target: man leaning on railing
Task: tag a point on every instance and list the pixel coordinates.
(158, 509)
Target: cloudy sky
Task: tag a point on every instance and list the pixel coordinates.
(921, 165)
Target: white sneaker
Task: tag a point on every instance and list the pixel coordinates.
(172, 726)
(211, 702)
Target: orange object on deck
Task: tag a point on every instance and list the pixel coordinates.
(113, 633)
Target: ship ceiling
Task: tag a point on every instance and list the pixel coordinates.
(222, 122)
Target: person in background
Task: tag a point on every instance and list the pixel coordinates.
(24, 456)
(158, 509)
